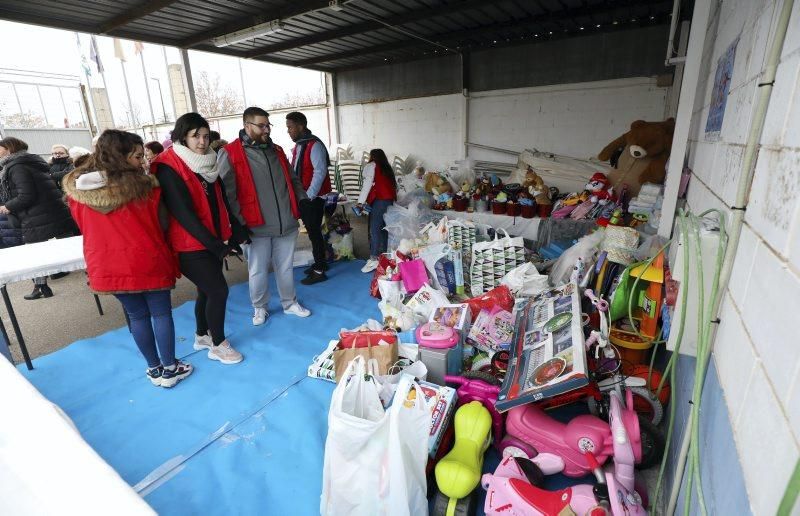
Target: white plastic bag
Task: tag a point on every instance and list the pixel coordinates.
(408, 451)
(342, 246)
(356, 447)
(388, 383)
(584, 249)
(525, 280)
(376, 466)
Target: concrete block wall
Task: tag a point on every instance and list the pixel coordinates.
(756, 357)
(572, 119)
(429, 128)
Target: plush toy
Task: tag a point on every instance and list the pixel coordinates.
(599, 189)
(483, 186)
(640, 155)
(535, 186)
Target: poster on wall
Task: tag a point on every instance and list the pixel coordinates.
(719, 95)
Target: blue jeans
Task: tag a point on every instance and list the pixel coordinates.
(151, 324)
(378, 237)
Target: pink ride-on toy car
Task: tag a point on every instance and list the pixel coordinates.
(512, 491)
(530, 432)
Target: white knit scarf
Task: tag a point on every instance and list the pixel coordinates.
(202, 164)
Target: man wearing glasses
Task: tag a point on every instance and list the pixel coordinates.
(265, 197)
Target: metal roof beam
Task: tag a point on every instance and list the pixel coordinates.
(367, 26)
(539, 19)
(294, 9)
(134, 14)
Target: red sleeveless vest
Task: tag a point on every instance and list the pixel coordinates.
(307, 171)
(382, 188)
(179, 239)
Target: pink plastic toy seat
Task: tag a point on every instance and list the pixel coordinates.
(533, 426)
(436, 336)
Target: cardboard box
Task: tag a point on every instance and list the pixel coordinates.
(442, 404)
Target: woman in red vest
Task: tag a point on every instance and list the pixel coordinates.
(379, 192)
(199, 228)
(117, 210)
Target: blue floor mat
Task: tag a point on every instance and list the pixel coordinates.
(247, 437)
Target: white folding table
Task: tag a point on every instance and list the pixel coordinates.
(31, 261)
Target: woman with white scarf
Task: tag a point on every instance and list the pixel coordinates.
(200, 229)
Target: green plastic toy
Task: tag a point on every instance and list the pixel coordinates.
(459, 472)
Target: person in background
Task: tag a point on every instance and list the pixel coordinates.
(200, 228)
(310, 163)
(60, 163)
(117, 210)
(151, 150)
(380, 192)
(265, 197)
(78, 154)
(216, 145)
(33, 201)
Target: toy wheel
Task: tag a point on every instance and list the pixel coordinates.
(483, 376)
(513, 447)
(464, 506)
(652, 444)
(647, 405)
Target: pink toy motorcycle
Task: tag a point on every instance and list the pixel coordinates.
(531, 432)
(475, 389)
(510, 490)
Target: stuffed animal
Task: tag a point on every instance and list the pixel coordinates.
(535, 186)
(599, 189)
(483, 186)
(640, 155)
(436, 184)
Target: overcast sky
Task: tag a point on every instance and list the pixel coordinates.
(57, 51)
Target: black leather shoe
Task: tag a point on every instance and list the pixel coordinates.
(314, 277)
(39, 291)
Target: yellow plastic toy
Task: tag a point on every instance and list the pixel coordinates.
(459, 472)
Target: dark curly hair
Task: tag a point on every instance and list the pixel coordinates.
(112, 151)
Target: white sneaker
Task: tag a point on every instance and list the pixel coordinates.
(260, 316)
(225, 353)
(202, 342)
(370, 266)
(298, 310)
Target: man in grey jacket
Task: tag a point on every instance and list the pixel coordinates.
(265, 197)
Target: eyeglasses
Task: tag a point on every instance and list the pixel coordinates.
(60, 154)
(261, 126)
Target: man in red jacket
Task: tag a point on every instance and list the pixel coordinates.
(310, 163)
(265, 197)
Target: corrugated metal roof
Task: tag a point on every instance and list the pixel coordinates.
(362, 33)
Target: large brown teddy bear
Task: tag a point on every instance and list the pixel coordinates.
(640, 155)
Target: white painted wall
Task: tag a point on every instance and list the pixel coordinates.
(576, 120)
(429, 128)
(573, 119)
(756, 352)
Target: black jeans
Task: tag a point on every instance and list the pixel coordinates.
(311, 212)
(205, 271)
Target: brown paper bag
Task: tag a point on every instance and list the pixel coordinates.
(386, 356)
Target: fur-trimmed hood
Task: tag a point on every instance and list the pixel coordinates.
(106, 196)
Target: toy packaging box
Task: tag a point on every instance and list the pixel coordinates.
(442, 404)
(492, 330)
(547, 354)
